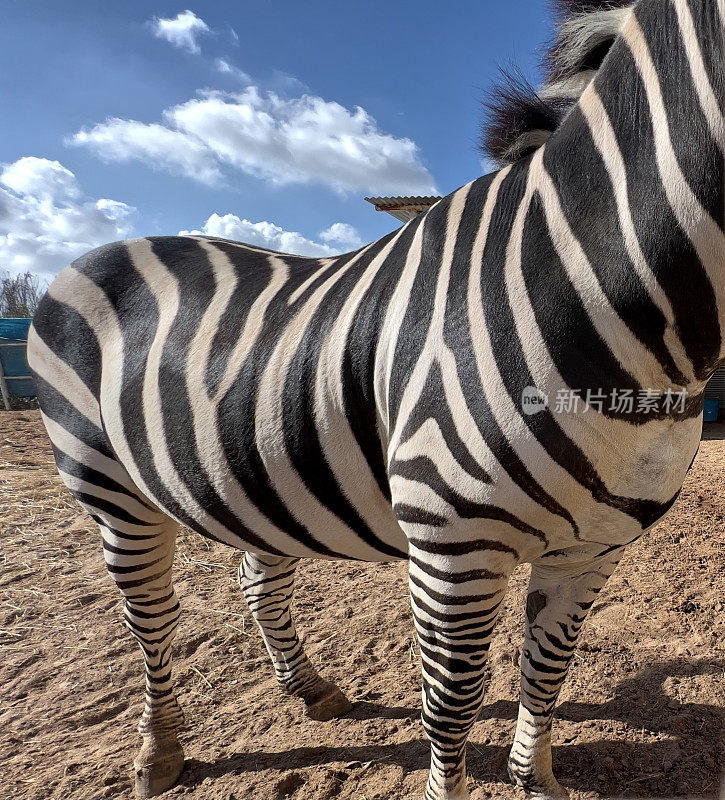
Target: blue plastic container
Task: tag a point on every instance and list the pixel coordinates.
(13, 357)
(712, 408)
(15, 328)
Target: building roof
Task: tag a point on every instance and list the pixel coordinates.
(403, 208)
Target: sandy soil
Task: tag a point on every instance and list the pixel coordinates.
(640, 716)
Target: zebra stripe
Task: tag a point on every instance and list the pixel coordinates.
(371, 406)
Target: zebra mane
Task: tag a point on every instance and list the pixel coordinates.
(520, 117)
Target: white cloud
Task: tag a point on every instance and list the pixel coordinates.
(45, 221)
(182, 31)
(39, 177)
(300, 140)
(343, 234)
(267, 234)
(226, 68)
(156, 145)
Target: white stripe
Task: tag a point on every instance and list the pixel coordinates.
(122, 501)
(700, 78)
(546, 377)
(226, 281)
(305, 285)
(62, 377)
(337, 440)
(165, 289)
(109, 521)
(81, 452)
(428, 442)
(205, 409)
(425, 497)
(390, 331)
(508, 494)
(434, 337)
(605, 140)
(706, 236)
(322, 524)
(79, 292)
(625, 347)
(239, 245)
(556, 481)
(252, 325)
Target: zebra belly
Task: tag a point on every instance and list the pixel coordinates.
(238, 484)
(253, 531)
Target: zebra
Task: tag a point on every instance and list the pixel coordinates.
(372, 406)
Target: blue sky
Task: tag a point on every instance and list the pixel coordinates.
(260, 120)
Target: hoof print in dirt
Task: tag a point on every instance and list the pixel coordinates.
(289, 785)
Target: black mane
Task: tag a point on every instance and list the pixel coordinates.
(520, 118)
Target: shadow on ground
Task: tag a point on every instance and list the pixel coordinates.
(713, 431)
(691, 730)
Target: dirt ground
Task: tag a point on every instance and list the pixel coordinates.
(641, 714)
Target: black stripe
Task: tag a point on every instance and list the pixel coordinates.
(664, 244)
(301, 435)
(69, 336)
(595, 224)
(416, 321)
(458, 331)
(70, 466)
(424, 470)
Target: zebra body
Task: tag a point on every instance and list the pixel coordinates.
(369, 406)
(331, 469)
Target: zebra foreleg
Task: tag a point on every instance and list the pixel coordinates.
(557, 605)
(455, 605)
(268, 584)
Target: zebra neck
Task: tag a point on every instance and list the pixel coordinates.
(638, 165)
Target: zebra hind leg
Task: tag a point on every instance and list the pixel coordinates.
(139, 556)
(268, 585)
(557, 605)
(138, 547)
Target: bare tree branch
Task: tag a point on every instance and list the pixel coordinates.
(20, 294)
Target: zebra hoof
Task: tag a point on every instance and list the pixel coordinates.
(548, 789)
(157, 767)
(554, 793)
(327, 704)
